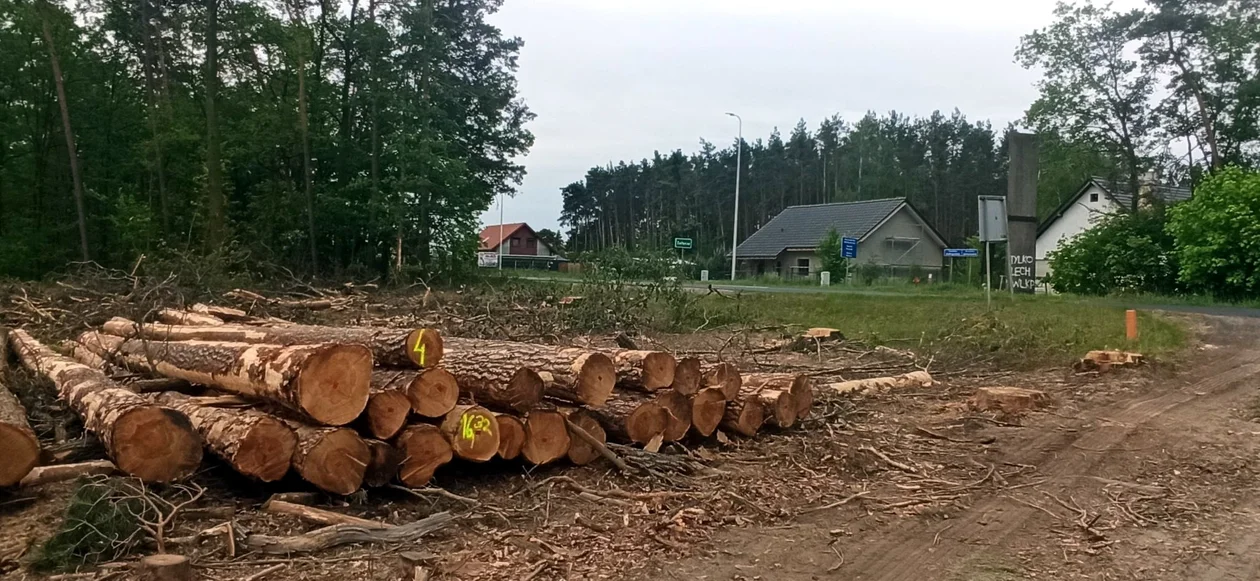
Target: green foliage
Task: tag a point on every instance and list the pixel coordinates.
(831, 253)
(100, 524)
(1122, 253)
(869, 272)
(1217, 235)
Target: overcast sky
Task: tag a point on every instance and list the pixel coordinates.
(615, 80)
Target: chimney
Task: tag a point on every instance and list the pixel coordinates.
(1146, 190)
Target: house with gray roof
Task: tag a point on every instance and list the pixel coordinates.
(890, 233)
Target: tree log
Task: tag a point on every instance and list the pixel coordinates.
(911, 380)
(744, 415)
(333, 459)
(396, 347)
(337, 535)
(175, 317)
(645, 370)
(424, 450)
(166, 567)
(628, 419)
(152, 443)
(386, 412)
(81, 353)
(574, 374)
(680, 412)
(688, 375)
(725, 377)
(707, 408)
(253, 443)
(224, 314)
(328, 383)
(546, 437)
(472, 431)
(778, 406)
(63, 472)
(432, 392)
(511, 436)
(499, 381)
(581, 451)
(319, 516)
(798, 385)
(384, 464)
(19, 448)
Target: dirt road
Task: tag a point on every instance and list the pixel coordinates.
(1158, 485)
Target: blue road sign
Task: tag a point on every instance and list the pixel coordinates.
(962, 253)
(848, 247)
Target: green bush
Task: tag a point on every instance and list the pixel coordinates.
(1217, 235)
(831, 253)
(1123, 253)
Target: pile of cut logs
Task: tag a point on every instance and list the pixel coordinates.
(346, 407)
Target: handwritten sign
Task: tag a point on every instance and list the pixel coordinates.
(472, 425)
(1023, 273)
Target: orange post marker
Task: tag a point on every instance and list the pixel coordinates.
(1130, 325)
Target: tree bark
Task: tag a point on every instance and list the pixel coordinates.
(744, 415)
(627, 419)
(64, 472)
(723, 376)
(177, 317)
(496, 379)
(152, 443)
(386, 412)
(800, 388)
(393, 347)
(305, 135)
(546, 437)
(223, 314)
(253, 443)
(333, 459)
(337, 535)
(424, 450)
(166, 567)
(384, 465)
(84, 355)
(644, 370)
(511, 435)
(472, 431)
(707, 408)
(574, 374)
(75, 176)
(19, 447)
(432, 392)
(328, 383)
(216, 202)
(687, 376)
(582, 452)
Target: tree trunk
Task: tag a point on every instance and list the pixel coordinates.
(18, 445)
(253, 443)
(723, 376)
(472, 431)
(511, 436)
(154, 111)
(305, 136)
(333, 459)
(576, 375)
(75, 176)
(432, 392)
(744, 415)
(687, 376)
(679, 408)
(386, 412)
(222, 314)
(799, 385)
(497, 379)
(546, 437)
(424, 450)
(384, 464)
(328, 383)
(177, 317)
(152, 443)
(166, 567)
(394, 347)
(64, 472)
(644, 370)
(581, 452)
(627, 419)
(216, 202)
(84, 355)
(707, 408)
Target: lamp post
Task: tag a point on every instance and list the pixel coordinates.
(739, 165)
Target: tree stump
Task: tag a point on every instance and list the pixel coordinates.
(166, 567)
(1011, 401)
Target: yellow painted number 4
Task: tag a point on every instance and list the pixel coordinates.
(419, 348)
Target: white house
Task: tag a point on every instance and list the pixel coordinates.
(1098, 197)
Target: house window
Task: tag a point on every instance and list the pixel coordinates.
(516, 241)
(1093, 197)
(531, 243)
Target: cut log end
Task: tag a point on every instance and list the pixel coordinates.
(511, 436)
(424, 450)
(687, 376)
(386, 413)
(707, 408)
(802, 391)
(166, 567)
(646, 422)
(425, 348)
(526, 387)
(726, 377)
(744, 417)
(580, 451)
(679, 408)
(20, 453)
(384, 464)
(658, 370)
(266, 451)
(434, 393)
(333, 384)
(546, 437)
(780, 407)
(156, 444)
(596, 379)
(338, 462)
(473, 432)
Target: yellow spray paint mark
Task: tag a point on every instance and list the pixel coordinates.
(420, 348)
(472, 425)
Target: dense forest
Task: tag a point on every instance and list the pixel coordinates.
(329, 136)
(1171, 88)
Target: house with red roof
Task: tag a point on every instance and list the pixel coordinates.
(514, 240)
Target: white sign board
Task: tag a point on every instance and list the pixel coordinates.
(487, 259)
(992, 218)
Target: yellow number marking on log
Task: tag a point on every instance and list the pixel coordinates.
(470, 426)
(420, 348)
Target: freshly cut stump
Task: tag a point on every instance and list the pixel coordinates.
(253, 443)
(688, 375)
(645, 370)
(631, 420)
(472, 431)
(424, 450)
(384, 464)
(580, 451)
(546, 437)
(744, 416)
(333, 459)
(679, 408)
(571, 373)
(511, 436)
(166, 567)
(19, 448)
(1009, 400)
(329, 383)
(386, 413)
(152, 443)
(724, 376)
(707, 409)
(432, 392)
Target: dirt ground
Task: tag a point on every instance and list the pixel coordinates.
(1135, 474)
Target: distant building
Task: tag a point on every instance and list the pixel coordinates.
(890, 233)
(515, 239)
(1096, 198)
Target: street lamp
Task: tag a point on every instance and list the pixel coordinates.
(739, 165)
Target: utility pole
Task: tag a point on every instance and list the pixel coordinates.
(739, 165)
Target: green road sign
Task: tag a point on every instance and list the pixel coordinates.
(682, 243)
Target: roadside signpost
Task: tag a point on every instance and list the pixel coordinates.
(848, 247)
(992, 229)
(487, 259)
(682, 243)
(962, 253)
